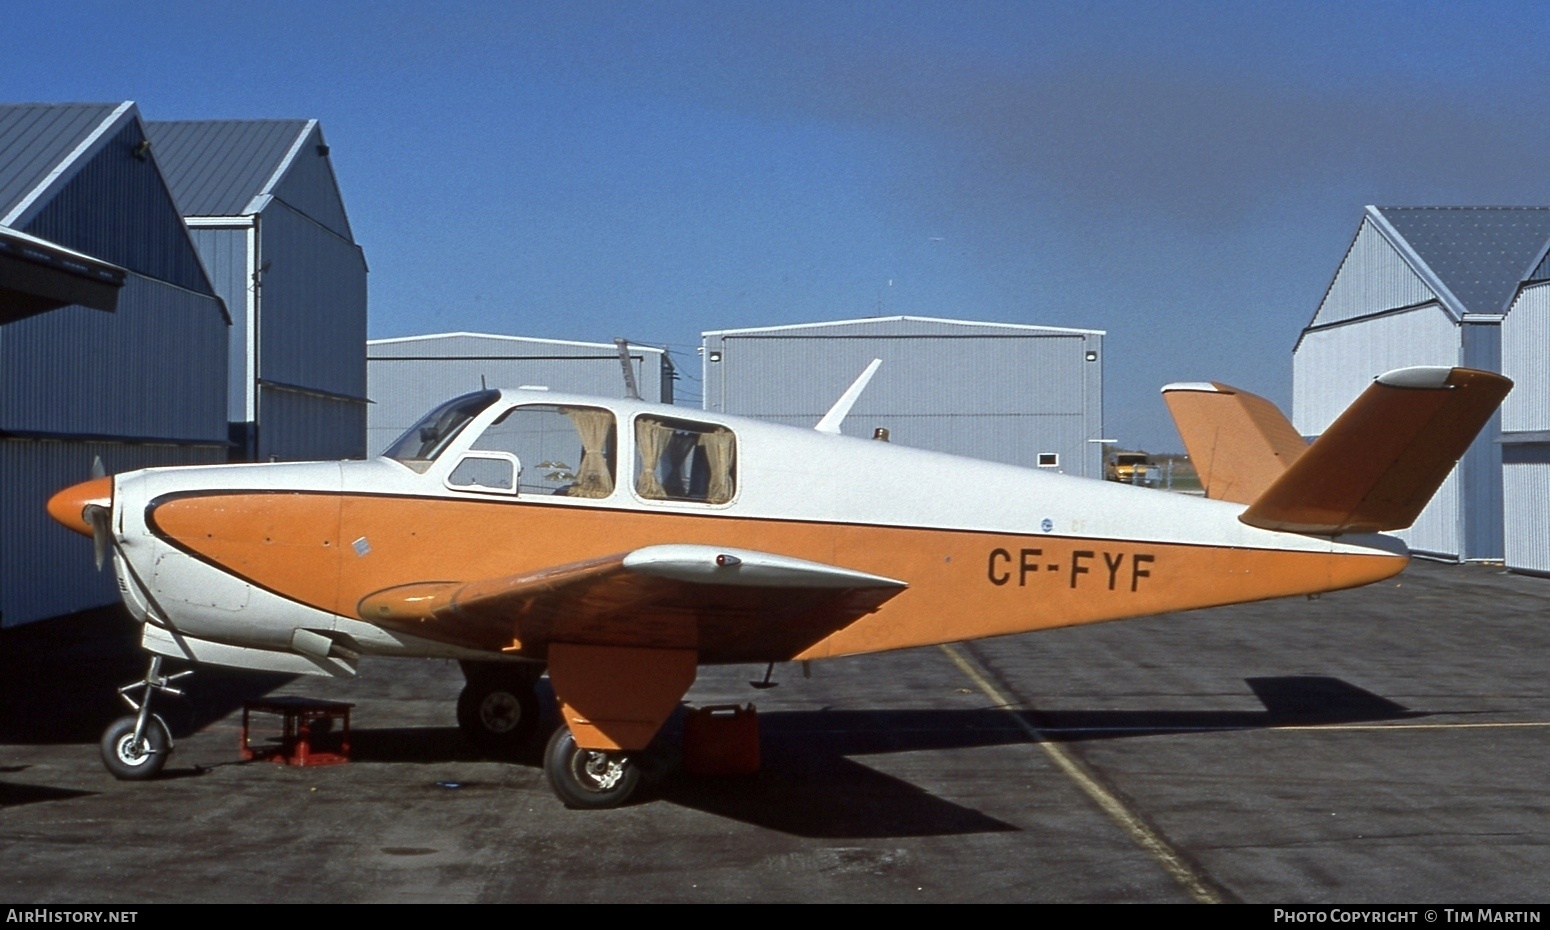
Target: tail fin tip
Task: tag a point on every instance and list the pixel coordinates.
(1381, 461)
(1239, 442)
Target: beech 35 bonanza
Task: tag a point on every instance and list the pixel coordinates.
(619, 544)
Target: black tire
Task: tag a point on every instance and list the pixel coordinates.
(585, 778)
(128, 762)
(498, 717)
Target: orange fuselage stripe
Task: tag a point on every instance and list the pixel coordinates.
(962, 584)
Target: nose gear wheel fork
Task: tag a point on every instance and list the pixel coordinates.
(136, 747)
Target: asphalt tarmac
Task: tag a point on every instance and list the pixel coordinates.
(1385, 745)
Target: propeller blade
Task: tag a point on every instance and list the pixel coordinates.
(101, 531)
(97, 469)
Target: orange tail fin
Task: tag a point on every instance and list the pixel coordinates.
(1238, 442)
(1381, 461)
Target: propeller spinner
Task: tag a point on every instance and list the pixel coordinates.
(87, 508)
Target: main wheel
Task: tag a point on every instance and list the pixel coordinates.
(130, 761)
(498, 717)
(588, 778)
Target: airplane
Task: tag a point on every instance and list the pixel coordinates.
(646, 540)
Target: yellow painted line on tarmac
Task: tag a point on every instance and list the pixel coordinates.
(1138, 830)
(1537, 724)
(1415, 726)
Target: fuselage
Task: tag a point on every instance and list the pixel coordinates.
(248, 555)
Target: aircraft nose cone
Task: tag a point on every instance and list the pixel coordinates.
(66, 507)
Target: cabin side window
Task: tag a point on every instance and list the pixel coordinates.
(563, 451)
(427, 439)
(679, 460)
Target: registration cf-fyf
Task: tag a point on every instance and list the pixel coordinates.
(619, 545)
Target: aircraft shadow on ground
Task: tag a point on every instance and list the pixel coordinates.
(12, 794)
(59, 681)
(423, 745)
(1298, 700)
(810, 785)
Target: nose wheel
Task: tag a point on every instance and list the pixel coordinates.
(589, 779)
(136, 747)
(129, 757)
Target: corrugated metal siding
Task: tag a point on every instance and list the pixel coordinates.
(1526, 488)
(215, 167)
(403, 389)
(995, 394)
(1525, 348)
(309, 187)
(1439, 530)
(936, 375)
(988, 438)
(312, 305)
(46, 570)
(156, 368)
(117, 208)
(1372, 278)
(1332, 367)
(35, 138)
(225, 255)
(298, 427)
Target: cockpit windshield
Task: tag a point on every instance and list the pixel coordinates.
(428, 438)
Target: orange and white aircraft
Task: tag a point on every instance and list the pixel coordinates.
(620, 544)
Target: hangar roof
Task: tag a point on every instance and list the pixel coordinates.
(40, 141)
(1478, 254)
(223, 167)
(903, 326)
(491, 345)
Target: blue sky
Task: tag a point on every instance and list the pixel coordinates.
(1185, 176)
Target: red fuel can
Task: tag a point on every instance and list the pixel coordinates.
(721, 740)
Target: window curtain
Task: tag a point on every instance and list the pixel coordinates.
(651, 439)
(718, 453)
(594, 478)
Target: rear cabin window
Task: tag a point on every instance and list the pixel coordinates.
(563, 451)
(679, 460)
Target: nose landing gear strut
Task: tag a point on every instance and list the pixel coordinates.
(136, 747)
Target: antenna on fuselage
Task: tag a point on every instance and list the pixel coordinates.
(831, 421)
(630, 390)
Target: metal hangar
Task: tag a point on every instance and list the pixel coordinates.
(1448, 286)
(1015, 393)
(264, 210)
(112, 338)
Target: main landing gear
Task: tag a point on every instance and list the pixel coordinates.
(136, 747)
(588, 778)
(498, 709)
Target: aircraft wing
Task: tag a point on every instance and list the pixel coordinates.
(731, 605)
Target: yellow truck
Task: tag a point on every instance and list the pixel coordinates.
(1128, 467)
